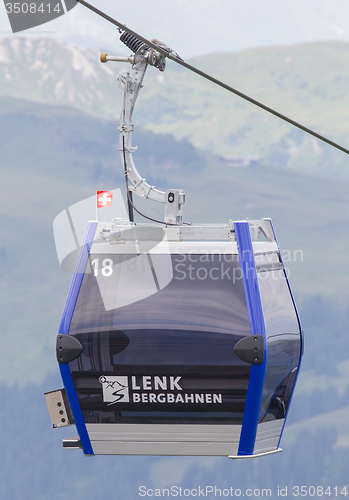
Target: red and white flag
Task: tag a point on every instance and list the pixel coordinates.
(104, 199)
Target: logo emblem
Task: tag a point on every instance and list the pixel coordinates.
(115, 389)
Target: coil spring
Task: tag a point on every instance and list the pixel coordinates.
(131, 41)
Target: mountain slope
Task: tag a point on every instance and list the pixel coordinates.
(307, 82)
(53, 157)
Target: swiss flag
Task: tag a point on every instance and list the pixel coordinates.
(104, 199)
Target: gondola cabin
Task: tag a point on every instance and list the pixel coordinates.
(179, 340)
(175, 339)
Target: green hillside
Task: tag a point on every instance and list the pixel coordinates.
(307, 82)
(52, 157)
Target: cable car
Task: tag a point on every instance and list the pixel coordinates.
(176, 339)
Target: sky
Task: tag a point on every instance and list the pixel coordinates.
(199, 27)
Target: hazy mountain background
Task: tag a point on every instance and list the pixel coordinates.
(309, 83)
(58, 144)
(201, 26)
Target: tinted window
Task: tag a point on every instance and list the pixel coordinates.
(283, 343)
(166, 357)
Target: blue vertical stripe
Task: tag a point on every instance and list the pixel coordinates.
(76, 409)
(257, 325)
(77, 277)
(64, 328)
